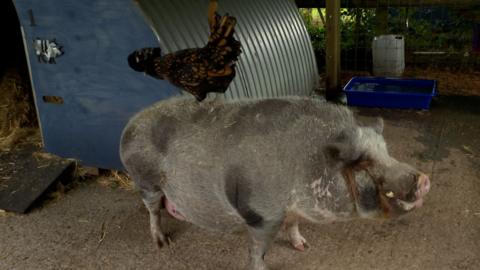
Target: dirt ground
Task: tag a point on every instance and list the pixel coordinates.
(104, 226)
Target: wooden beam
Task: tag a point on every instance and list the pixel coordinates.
(321, 16)
(333, 85)
(389, 3)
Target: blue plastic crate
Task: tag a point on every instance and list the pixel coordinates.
(390, 92)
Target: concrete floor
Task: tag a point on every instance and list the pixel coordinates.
(98, 227)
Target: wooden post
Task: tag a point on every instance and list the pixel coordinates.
(333, 85)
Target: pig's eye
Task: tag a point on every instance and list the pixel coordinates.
(390, 194)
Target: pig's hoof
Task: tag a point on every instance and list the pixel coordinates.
(161, 240)
(300, 243)
(258, 266)
(301, 246)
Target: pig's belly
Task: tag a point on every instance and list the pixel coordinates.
(208, 212)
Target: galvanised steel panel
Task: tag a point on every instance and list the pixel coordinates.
(277, 56)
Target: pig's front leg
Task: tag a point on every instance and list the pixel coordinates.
(153, 202)
(296, 239)
(262, 236)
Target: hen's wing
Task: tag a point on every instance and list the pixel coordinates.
(187, 69)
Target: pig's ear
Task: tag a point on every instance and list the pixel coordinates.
(342, 149)
(341, 153)
(378, 126)
(336, 152)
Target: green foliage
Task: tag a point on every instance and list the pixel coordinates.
(431, 29)
(357, 28)
(316, 32)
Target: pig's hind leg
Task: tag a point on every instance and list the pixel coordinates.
(153, 202)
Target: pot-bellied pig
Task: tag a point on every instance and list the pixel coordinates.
(258, 164)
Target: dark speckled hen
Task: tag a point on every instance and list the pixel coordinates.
(196, 70)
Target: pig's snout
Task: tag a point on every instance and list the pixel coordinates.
(423, 186)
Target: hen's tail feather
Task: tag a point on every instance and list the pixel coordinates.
(212, 14)
(224, 28)
(223, 40)
(220, 26)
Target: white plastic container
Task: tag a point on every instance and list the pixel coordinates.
(388, 55)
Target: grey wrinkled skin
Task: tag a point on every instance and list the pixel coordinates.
(257, 164)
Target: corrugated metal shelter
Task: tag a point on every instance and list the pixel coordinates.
(100, 92)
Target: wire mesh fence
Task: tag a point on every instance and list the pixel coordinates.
(441, 42)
